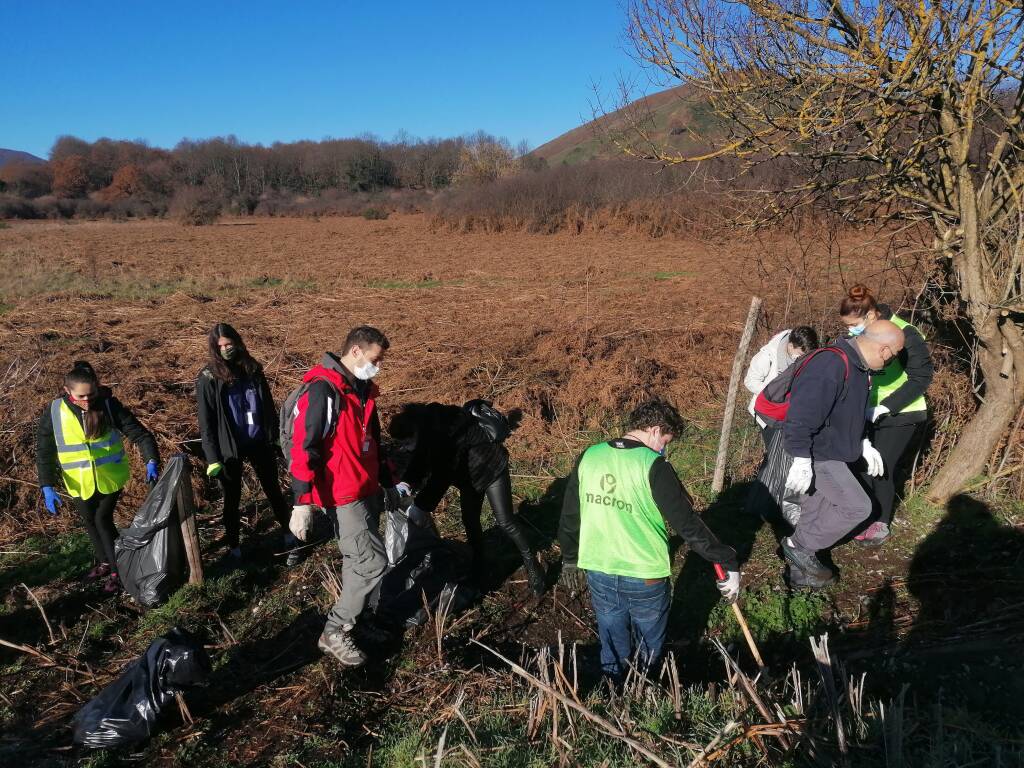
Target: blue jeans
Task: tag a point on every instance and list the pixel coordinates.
(625, 607)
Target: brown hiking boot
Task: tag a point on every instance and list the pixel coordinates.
(340, 644)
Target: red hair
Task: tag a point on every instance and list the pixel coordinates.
(858, 302)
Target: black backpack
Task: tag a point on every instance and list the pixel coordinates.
(490, 419)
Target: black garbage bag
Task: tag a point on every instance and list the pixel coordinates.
(150, 552)
(126, 711)
(424, 571)
(768, 498)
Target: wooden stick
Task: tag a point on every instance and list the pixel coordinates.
(187, 519)
(721, 575)
(730, 401)
(746, 633)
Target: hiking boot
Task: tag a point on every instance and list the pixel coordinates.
(98, 572)
(797, 579)
(874, 535)
(805, 561)
(535, 576)
(339, 644)
(113, 584)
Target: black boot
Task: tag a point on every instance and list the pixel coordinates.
(535, 575)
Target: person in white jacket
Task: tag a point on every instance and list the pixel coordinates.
(781, 351)
(768, 496)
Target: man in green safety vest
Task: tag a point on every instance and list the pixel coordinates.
(614, 537)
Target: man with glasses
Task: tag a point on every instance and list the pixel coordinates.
(824, 433)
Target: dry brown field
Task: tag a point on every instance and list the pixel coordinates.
(572, 329)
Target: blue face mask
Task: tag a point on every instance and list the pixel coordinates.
(661, 452)
(857, 330)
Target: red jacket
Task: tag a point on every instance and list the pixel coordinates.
(336, 456)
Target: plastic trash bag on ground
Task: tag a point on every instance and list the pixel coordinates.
(421, 566)
(150, 552)
(126, 711)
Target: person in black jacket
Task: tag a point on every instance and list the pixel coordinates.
(824, 433)
(79, 439)
(897, 411)
(238, 422)
(448, 447)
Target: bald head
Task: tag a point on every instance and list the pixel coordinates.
(881, 341)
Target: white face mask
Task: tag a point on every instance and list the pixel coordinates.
(366, 371)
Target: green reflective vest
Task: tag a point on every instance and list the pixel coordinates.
(622, 531)
(893, 377)
(87, 465)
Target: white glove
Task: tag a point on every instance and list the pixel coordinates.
(874, 459)
(800, 476)
(301, 521)
(730, 586)
(404, 489)
(873, 414)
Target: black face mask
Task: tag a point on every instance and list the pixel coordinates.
(229, 353)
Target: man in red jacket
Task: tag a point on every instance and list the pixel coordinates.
(337, 464)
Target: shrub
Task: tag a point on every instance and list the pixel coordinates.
(17, 208)
(196, 206)
(373, 214)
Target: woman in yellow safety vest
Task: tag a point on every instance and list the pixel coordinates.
(897, 411)
(80, 433)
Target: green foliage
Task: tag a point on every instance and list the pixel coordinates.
(192, 601)
(41, 560)
(771, 612)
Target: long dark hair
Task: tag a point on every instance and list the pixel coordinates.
(244, 364)
(94, 420)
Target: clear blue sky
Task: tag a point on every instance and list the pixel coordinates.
(268, 71)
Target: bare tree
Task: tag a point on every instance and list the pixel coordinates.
(901, 109)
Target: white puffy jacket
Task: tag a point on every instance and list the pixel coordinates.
(771, 360)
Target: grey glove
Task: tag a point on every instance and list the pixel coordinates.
(572, 579)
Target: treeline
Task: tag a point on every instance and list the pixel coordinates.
(128, 178)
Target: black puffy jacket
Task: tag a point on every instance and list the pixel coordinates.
(451, 449)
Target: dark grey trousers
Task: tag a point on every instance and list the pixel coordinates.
(836, 505)
(363, 559)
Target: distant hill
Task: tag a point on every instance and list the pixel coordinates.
(17, 156)
(672, 112)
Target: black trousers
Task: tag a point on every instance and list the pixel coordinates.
(97, 513)
(264, 463)
(499, 494)
(897, 444)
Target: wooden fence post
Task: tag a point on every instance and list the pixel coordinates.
(187, 517)
(730, 401)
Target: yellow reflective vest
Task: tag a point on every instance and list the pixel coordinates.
(87, 465)
(893, 376)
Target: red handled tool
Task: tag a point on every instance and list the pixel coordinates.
(721, 575)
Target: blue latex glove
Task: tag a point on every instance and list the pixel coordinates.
(151, 472)
(51, 499)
